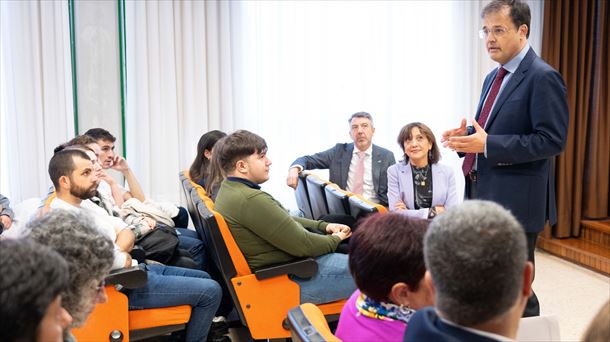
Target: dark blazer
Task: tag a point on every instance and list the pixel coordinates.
(338, 159)
(526, 129)
(426, 325)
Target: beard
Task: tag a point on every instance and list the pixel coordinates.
(82, 192)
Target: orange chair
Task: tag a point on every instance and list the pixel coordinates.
(262, 298)
(112, 321)
(307, 324)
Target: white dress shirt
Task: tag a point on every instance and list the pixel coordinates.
(368, 188)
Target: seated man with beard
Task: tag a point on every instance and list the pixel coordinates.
(73, 173)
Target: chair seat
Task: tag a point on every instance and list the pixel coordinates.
(149, 318)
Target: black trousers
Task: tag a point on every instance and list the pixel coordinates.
(532, 308)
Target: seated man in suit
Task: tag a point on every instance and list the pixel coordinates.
(476, 256)
(266, 233)
(361, 170)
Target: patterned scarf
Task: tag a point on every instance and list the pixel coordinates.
(384, 311)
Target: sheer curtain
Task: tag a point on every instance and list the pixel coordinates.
(302, 68)
(293, 72)
(36, 93)
(178, 86)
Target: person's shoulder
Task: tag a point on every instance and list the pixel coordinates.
(384, 152)
(343, 146)
(538, 65)
(397, 167)
(541, 66)
(444, 168)
(382, 149)
(233, 188)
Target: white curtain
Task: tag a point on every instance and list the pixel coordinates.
(178, 86)
(303, 67)
(291, 71)
(36, 93)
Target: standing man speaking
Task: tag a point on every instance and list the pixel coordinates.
(521, 124)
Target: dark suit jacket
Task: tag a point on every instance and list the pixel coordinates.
(426, 325)
(338, 159)
(526, 129)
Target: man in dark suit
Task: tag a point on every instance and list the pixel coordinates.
(475, 300)
(521, 124)
(361, 170)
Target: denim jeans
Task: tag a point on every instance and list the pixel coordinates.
(190, 241)
(333, 281)
(171, 286)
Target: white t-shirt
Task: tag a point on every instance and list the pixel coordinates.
(106, 224)
(105, 190)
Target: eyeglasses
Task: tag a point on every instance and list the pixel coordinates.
(497, 31)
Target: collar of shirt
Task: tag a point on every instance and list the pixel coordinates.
(476, 331)
(367, 152)
(513, 64)
(244, 181)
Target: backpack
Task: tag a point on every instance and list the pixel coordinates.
(160, 244)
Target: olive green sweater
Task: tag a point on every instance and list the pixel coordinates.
(265, 232)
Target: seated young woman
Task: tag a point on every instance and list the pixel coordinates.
(419, 185)
(387, 263)
(200, 169)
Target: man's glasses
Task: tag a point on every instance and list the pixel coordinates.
(497, 31)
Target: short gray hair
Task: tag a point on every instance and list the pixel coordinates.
(88, 252)
(361, 115)
(476, 253)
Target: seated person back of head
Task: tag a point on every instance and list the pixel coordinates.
(387, 262)
(342, 162)
(263, 229)
(199, 171)
(33, 279)
(476, 258)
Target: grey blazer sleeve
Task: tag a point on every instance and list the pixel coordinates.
(6, 207)
(320, 160)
